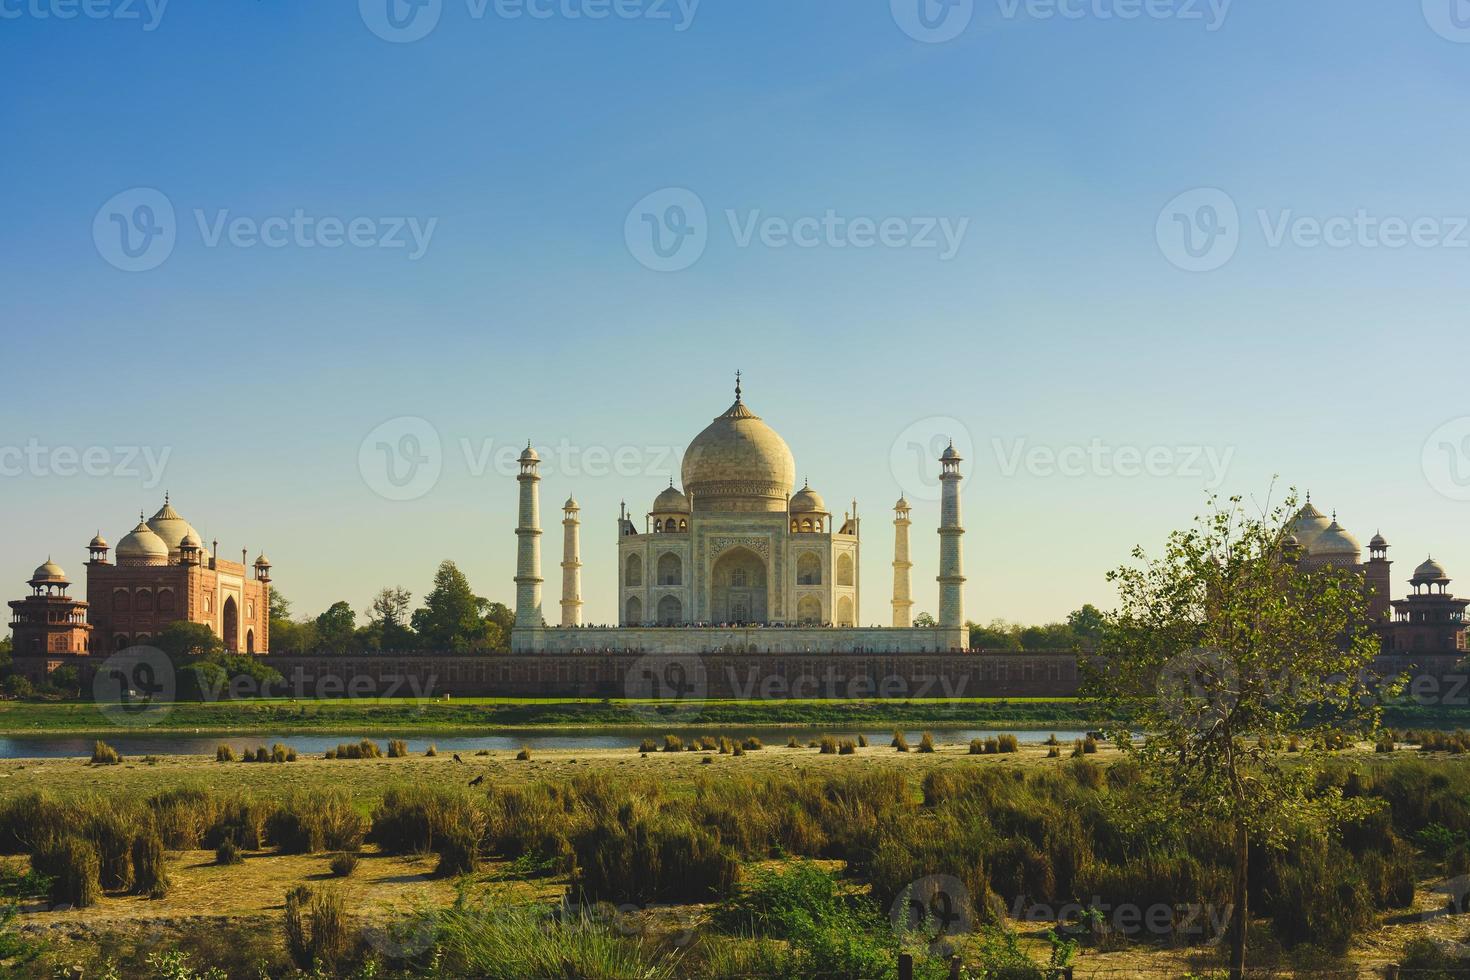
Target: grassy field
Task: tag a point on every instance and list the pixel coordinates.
(472, 715)
(231, 915)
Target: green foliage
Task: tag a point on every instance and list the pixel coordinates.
(335, 629)
(343, 864)
(73, 867)
(454, 619)
(150, 866)
(183, 641)
(782, 903)
(228, 852)
(104, 754)
(316, 929)
(310, 822)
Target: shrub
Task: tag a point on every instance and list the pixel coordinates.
(482, 752)
(781, 904)
(847, 747)
(150, 870)
(104, 754)
(524, 755)
(862, 741)
(648, 745)
(1055, 752)
(1077, 750)
(418, 819)
(459, 851)
(1052, 740)
(708, 743)
(899, 742)
(309, 822)
(74, 869)
(673, 743)
(1089, 745)
(316, 928)
(926, 743)
(752, 743)
(223, 753)
(829, 745)
(636, 854)
(431, 751)
(279, 753)
(397, 748)
(29, 820)
(977, 746)
(111, 828)
(1008, 743)
(228, 852)
(183, 815)
(726, 746)
(343, 864)
(261, 755)
(738, 749)
(792, 743)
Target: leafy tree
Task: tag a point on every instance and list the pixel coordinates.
(183, 641)
(503, 619)
(18, 686)
(288, 635)
(217, 675)
(999, 635)
(925, 621)
(452, 617)
(65, 680)
(1086, 624)
(335, 628)
(1221, 649)
(388, 627)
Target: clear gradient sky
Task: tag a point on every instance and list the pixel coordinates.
(1067, 319)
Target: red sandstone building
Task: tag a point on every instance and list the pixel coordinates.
(163, 574)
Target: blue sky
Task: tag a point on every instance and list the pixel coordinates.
(527, 150)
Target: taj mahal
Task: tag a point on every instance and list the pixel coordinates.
(738, 560)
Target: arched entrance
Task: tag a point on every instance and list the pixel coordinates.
(809, 611)
(231, 625)
(250, 641)
(670, 611)
(634, 616)
(844, 611)
(739, 588)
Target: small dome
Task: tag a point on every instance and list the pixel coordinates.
(1378, 541)
(48, 574)
(949, 453)
(902, 504)
(191, 540)
(1430, 571)
(1336, 542)
(670, 501)
(529, 455)
(571, 504)
(261, 561)
(808, 501)
(143, 546)
(98, 542)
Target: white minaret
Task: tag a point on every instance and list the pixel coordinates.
(528, 550)
(571, 564)
(903, 596)
(951, 565)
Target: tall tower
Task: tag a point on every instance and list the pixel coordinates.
(1377, 578)
(951, 565)
(571, 564)
(528, 550)
(903, 596)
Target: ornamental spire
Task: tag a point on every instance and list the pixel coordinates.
(737, 387)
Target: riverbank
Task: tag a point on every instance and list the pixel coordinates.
(475, 715)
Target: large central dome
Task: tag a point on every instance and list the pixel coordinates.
(738, 463)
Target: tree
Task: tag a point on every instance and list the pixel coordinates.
(288, 635)
(335, 628)
(925, 621)
(1086, 624)
(1221, 649)
(503, 619)
(999, 635)
(183, 641)
(65, 680)
(452, 616)
(388, 623)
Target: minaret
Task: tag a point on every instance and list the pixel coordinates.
(1378, 580)
(903, 596)
(951, 565)
(571, 564)
(528, 551)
